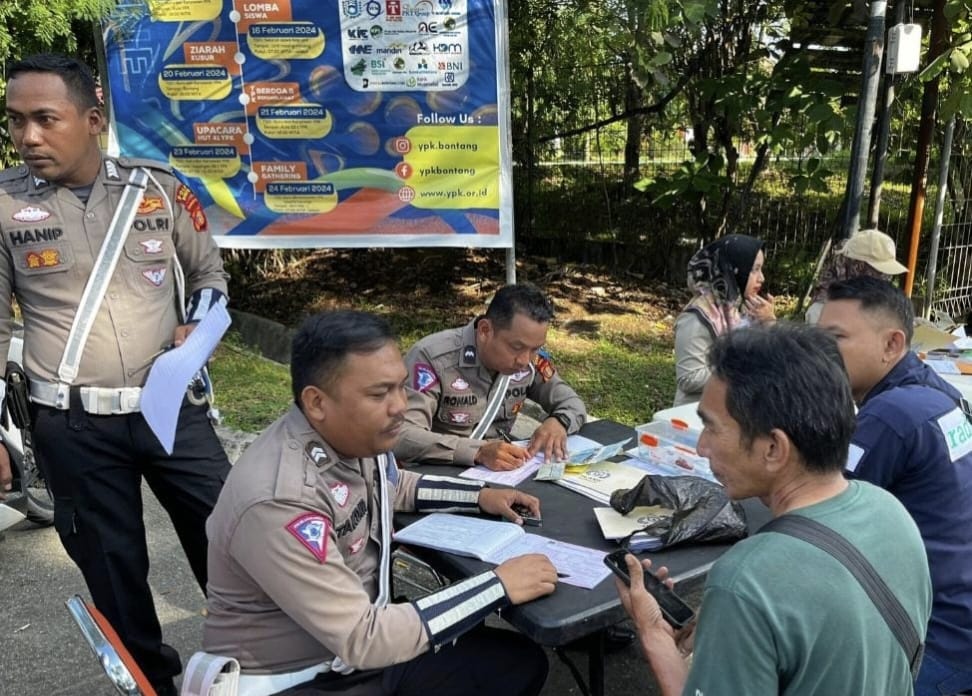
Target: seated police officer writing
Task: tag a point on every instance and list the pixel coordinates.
(467, 386)
(300, 543)
(779, 614)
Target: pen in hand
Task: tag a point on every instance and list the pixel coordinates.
(505, 436)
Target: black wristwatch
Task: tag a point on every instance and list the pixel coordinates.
(563, 419)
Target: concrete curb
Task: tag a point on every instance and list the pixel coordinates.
(270, 338)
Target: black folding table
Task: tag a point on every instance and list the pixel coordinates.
(573, 613)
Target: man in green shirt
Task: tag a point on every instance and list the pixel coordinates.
(780, 615)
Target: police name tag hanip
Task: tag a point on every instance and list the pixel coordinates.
(958, 433)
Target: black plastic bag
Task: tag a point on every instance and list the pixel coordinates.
(702, 512)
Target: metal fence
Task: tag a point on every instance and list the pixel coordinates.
(953, 282)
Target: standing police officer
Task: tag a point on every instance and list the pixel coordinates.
(97, 307)
(468, 385)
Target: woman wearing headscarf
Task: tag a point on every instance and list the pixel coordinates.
(725, 278)
(866, 253)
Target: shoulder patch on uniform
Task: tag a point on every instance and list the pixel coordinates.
(544, 364)
(469, 355)
(187, 199)
(312, 530)
(423, 378)
(315, 450)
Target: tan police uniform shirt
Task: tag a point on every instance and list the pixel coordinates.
(294, 553)
(49, 241)
(449, 391)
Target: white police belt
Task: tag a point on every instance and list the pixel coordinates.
(98, 401)
(265, 684)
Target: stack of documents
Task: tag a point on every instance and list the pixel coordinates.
(600, 480)
(495, 542)
(616, 526)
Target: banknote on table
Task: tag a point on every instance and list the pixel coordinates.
(551, 471)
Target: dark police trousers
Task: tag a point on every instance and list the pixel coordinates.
(94, 466)
(484, 662)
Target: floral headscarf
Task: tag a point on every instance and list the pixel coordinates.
(718, 274)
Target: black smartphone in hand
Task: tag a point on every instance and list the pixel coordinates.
(673, 608)
(529, 519)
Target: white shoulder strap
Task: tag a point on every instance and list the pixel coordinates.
(94, 290)
(384, 564)
(492, 408)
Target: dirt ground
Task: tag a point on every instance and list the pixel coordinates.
(449, 284)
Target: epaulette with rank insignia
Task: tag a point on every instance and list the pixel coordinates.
(132, 162)
(544, 365)
(14, 173)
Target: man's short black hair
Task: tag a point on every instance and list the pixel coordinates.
(877, 296)
(324, 340)
(788, 377)
(522, 298)
(75, 74)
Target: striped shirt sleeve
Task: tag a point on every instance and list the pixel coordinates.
(447, 494)
(455, 609)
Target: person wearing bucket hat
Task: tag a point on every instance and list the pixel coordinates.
(867, 253)
(725, 278)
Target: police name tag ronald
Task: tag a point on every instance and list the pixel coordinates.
(958, 433)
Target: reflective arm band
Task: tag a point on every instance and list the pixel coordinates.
(201, 302)
(453, 610)
(447, 494)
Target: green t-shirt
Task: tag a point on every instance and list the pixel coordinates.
(780, 616)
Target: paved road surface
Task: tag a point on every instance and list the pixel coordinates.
(43, 654)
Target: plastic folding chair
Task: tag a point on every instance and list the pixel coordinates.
(112, 655)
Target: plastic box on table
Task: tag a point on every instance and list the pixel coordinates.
(674, 433)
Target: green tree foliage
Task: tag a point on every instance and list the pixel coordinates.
(36, 26)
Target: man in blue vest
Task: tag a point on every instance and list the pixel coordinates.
(914, 438)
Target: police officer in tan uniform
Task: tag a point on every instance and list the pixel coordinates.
(468, 385)
(300, 540)
(90, 438)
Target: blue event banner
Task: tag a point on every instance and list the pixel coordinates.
(302, 123)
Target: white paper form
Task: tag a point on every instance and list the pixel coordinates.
(173, 370)
(514, 477)
(578, 565)
(510, 478)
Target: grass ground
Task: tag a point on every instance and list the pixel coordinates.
(611, 340)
